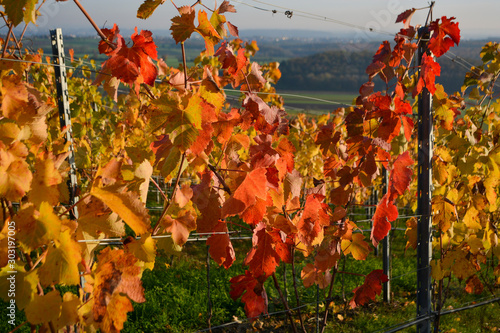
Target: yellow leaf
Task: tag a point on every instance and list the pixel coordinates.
(44, 309)
(357, 247)
(37, 228)
(144, 248)
(437, 271)
(411, 233)
(15, 176)
(69, 310)
(126, 204)
(45, 182)
(21, 285)
(61, 264)
(471, 219)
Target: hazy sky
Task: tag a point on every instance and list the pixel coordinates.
(476, 18)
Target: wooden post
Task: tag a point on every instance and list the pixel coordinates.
(424, 246)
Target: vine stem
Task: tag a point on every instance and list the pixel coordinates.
(96, 27)
(159, 188)
(297, 300)
(18, 327)
(156, 227)
(328, 301)
(285, 303)
(6, 43)
(73, 205)
(184, 64)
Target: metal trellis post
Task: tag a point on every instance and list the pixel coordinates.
(64, 112)
(424, 247)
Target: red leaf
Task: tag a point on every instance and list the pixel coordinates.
(408, 126)
(400, 176)
(220, 246)
(369, 289)
(445, 35)
(312, 221)
(405, 17)
(263, 258)
(255, 297)
(428, 72)
(253, 186)
(131, 65)
(208, 201)
(385, 212)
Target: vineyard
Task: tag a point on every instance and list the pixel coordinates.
(123, 179)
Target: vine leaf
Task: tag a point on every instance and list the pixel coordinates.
(116, 282)
(37, 227)
(311, 275)
(220, 246)
(179, 223)
(446, 34)
(312, 221)
(254, 294)
(356, 246)
(16, 176)
(183, 26)
(252, 187)
(369, 289)
(61, 263)
(26, 284)
(428, 72)
(208, 32)
(143, 249)
(148, 7)
(401, 175)
(44, 309)
(131, 65)
(386, 211)
(45, 185)
(263, 258)
(405, 17)
(20, 10)
(108, 187)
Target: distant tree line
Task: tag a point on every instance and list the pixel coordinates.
(345, 71)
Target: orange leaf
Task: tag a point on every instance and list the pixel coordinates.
(474, 285)
(208, 32)
(116, 276)
(252, 187)
(312, 221)
(180, 226)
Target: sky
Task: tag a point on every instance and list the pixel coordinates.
(477, 19)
